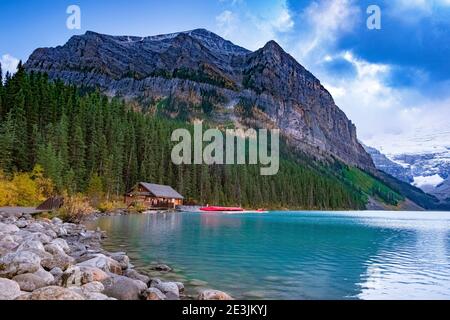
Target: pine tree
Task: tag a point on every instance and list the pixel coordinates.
(7, 144)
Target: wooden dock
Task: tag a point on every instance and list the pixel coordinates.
(18, 210)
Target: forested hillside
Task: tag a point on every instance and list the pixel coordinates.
(82, 139)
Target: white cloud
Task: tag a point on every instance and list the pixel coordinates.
(9, 63)
(252, 27)
(283, 22)
(390, 118)
(227, 22)
(327, 20)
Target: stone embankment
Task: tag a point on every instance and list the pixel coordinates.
(43, 259)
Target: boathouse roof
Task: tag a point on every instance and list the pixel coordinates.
(161, 191)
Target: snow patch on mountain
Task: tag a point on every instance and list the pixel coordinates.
(423, 181)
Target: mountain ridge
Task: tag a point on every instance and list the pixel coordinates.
(186, 65)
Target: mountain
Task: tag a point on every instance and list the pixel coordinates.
(428, 171)
(383, 163)
(182, 73)
(442, 191)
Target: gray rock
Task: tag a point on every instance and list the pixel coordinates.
(94, 286)
(62, 261)
(57, 221)
(96, 296)
(95, 273)
(62, 244)
(22, 223)
(122, 259)
(8, 243)
(38, 236)
(155, 294)
(168, 288)
(104, 263)
(54, 249)
(36, 227)
(8, 228)
(9, 290)
(133, 274)
(73, 276)
(52, 293)
(162, 268)
(29, 282)
(141, 285)
(46, 276)
(31, 244)
(180, 286)
(214, 295)
(21, 262)
(121, 288)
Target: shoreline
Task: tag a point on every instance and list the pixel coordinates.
(42, 259)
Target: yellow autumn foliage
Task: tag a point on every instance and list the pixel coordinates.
(75, 208)
(24, 189)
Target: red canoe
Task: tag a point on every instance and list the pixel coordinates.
(221, 209)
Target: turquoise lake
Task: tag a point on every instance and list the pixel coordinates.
(294, 255)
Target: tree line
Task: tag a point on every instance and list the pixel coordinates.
(86, 142)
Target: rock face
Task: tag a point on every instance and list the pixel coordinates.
(272, 88)
(383, 163)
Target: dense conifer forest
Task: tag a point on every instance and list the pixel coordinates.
(85, 141)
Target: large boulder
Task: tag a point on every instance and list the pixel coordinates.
(121, 288)
(31, 244)
(95, 273)
(36, 227)
(54, 248)
(104, 263)
(170, 289)
(8, 228)
(52, 293)
(22, 223)
(37, 236)
(57, 221)
(8, 242)
(214, 295)
(46, 276)
(122, 259)
(155, 294)
(30, 282)
(73, 276)
(133, 274)
(94, 286)
(9, 290)
(61, 243)
(58, 260)
(21, 262)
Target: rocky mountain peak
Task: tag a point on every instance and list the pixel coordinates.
(194, 66)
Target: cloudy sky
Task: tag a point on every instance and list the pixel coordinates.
(394, 83)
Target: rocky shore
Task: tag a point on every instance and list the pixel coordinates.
(42, 259)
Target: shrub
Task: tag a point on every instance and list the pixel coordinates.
(21, 190)
(109, 206)
(75, 209)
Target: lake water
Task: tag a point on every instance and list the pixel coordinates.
(294, 255)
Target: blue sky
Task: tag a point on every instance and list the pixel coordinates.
(393, 83)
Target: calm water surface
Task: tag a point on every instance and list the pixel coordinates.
(295, 255)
